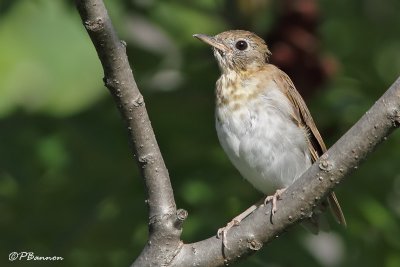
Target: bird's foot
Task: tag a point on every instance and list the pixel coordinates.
(235, 222)
(273, 198)
(224, 230)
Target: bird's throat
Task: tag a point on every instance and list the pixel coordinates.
(234, 89)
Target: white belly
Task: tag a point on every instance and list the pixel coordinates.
(267, 148)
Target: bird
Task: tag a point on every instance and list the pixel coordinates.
(262, 122)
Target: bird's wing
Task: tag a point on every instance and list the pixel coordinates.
(303, 118)
(301, 114)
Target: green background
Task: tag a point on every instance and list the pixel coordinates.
(69, 185)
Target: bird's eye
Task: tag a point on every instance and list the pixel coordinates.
(241, 45)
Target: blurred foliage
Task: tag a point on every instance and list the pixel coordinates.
(68, 182)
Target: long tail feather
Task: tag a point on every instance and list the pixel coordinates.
(336, 210)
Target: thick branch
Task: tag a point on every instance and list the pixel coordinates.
(118, 77)
(299, 199)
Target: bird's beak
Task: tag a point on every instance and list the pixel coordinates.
(211, 41)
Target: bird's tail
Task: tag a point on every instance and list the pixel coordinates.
(336, 210)
(317, 222)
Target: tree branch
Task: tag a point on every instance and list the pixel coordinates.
(164, 247)
(299, 199)
(164, 220)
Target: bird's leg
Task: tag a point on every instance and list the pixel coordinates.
(235, 221)
(274, 198)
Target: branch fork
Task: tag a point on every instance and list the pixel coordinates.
(164, 247)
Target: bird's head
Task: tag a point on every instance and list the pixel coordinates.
(237, 50)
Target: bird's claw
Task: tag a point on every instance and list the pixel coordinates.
(221, 233)
(273, 198)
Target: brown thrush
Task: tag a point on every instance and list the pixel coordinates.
(262, 122)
